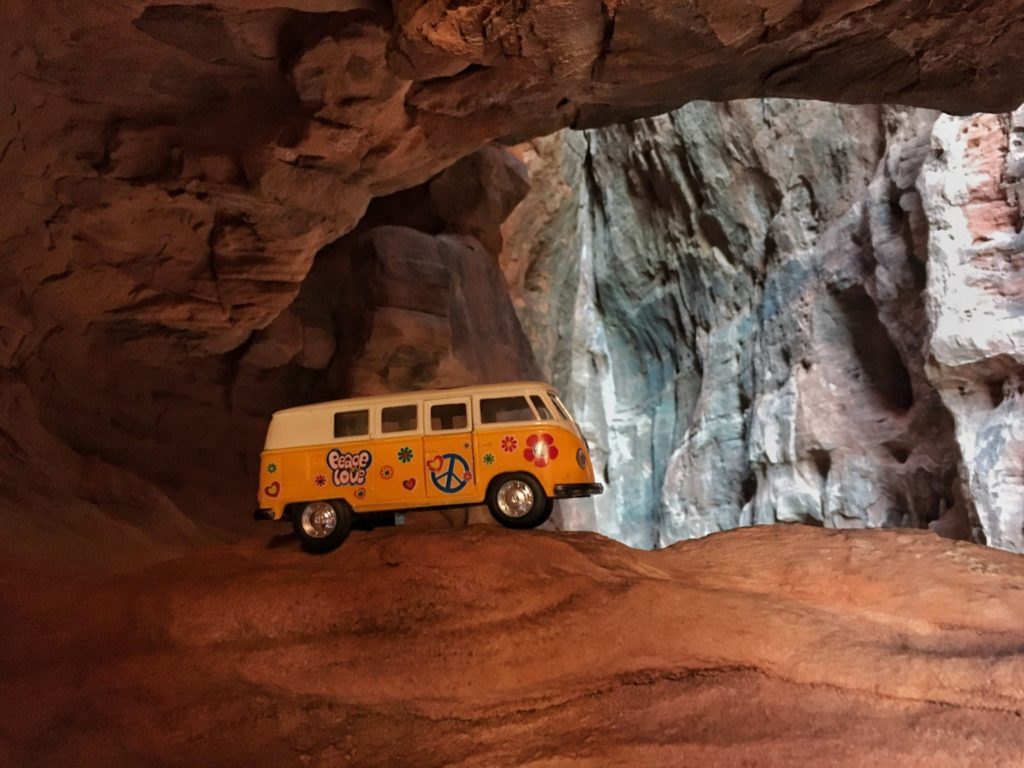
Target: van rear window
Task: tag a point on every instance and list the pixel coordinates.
(352, 424)
(398, 418)
(501, 410)
(448, 416)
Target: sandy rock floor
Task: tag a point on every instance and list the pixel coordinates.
(773, 646)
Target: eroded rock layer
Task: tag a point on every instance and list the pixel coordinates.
(773, 646)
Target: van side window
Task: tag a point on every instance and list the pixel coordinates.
(542, 409)
(448, 416)
(352, 424)
(500, 410)
(398, 418)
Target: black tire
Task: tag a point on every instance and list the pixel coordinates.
(310, 517)
(518, 490)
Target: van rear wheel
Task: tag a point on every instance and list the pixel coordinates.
(322, 525)
(518, 501)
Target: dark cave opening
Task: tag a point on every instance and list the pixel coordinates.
(879, 359)
(822, 461)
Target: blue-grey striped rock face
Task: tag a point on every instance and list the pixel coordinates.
(757, 317)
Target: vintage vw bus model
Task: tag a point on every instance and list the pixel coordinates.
(513, 446)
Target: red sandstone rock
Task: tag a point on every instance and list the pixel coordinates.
(479, 192)
(774, 646)
(440, 315)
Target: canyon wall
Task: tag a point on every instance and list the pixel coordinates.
(739, 301)
(191, 191)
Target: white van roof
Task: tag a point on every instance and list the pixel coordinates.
(420, 394)
(313, 424)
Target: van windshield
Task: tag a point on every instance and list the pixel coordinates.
(560, 406)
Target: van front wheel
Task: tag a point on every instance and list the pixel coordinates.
(518, 501)
(322, 525)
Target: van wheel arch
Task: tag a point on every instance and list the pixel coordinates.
(321, 524)
(518, 500)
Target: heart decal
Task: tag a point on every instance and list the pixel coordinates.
(409, 484)
(435, 464)
(273, 489)
(360, 493)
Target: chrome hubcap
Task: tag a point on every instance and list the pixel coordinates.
(319, 519)
(515, 498)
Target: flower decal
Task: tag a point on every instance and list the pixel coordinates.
(509, 444)
(467, 476)
(387, 472)
(320, 480)
(540, 449)
(271, 468)
(405, 454)
(360, 493)
(488, 458)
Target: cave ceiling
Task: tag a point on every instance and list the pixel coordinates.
(181, 164)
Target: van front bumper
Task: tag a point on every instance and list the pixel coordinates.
(577, 490)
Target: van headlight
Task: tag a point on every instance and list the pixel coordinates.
(581, 458)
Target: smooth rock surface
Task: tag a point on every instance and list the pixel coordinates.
(774, 646)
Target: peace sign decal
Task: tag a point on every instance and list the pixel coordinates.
(449, 473)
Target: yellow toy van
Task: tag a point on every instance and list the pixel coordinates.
(513, 446)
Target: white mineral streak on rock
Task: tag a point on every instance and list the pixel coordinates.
(971, 190)
(589, 368)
